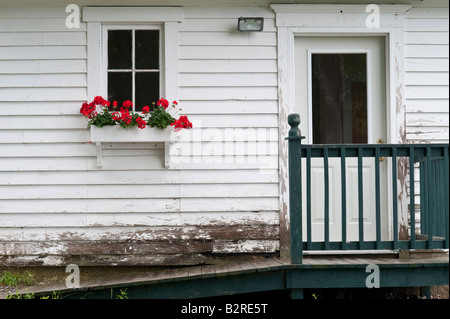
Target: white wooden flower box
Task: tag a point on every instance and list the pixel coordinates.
(107, 135)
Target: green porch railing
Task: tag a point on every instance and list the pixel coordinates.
(433, 166)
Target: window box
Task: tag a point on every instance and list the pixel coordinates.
(118, 134)
(109, 136)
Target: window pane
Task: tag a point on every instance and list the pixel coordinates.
(339, 98)
(147, 49)
(119, 49)
(147, 89)
(119, 87)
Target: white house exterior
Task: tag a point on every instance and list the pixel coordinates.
(225, 190)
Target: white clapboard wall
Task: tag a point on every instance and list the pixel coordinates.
(56, 204)
(426, 79)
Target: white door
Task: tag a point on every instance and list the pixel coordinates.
(340, 94)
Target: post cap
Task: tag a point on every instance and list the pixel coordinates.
(294, 122)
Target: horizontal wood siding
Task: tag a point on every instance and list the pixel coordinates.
(228, 86)
(427, 82)
(427, 74)
(57, 206)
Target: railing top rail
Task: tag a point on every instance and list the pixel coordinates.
(434, 145)
(373, 150)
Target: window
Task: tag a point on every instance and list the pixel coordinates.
(144, 53)
(133, 66)
(339, 98)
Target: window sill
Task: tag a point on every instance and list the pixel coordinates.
(109, 136)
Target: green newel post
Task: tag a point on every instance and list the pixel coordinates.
(295, 189)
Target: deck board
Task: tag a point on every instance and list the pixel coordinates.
(261, 265)
(273, 264)
(181, 274)
(251, 267)
(208, 271)
(155, 276)
(169, 275)
(247, 267)
(235, 269)
(194, 272)
(221, 270)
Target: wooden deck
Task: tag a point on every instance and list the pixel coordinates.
(225, 276)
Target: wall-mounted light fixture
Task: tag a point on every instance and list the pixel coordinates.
(250, 24)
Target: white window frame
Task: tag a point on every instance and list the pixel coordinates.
(99, 19)
(133, 28)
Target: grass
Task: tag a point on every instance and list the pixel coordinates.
(14, 279)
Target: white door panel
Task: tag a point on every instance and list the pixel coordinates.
(345, 105)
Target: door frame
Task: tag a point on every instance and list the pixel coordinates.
(339, 20)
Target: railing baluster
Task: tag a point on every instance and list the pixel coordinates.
(308, 199)
(434, 197)
(412, 199)
(446, 191)
(424, 229)
(394, 197)
(440, 221)
(360, 198)
(343, 199)
(377, 196)
(431, 198)
(327, 199)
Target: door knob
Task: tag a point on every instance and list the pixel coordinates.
(380, 141)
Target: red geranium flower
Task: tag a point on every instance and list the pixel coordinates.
(145, 109)
(116, 116)
(87, 109)
(127, 103)
(126, 117)
(140, 122)
(98, 100)
(182, 122)
(164, 103)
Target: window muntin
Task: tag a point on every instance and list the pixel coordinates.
(134, 65)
